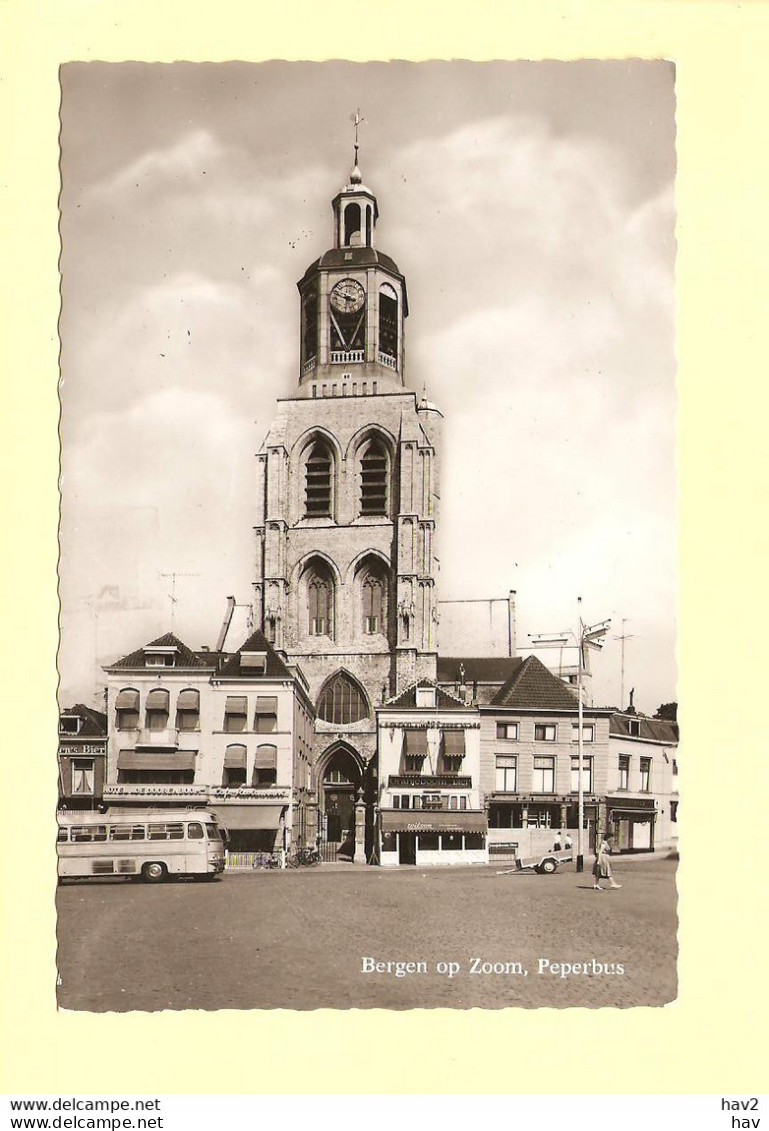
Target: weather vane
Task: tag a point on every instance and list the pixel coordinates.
(357, 121)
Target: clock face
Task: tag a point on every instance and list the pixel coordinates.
(347, 296)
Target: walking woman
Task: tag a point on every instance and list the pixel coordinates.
(602, 865)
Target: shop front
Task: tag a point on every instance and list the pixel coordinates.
(255, 822)
(631, 823)
(426, 838)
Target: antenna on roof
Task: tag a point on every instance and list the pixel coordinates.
(623, 636)
(172, 595)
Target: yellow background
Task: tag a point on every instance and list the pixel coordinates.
(710, 1039)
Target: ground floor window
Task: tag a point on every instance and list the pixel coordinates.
(474, 840)
(451, 842)
(428, 842)
(502, 816)
(540, 819)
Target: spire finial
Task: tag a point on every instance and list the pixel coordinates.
(355, 175)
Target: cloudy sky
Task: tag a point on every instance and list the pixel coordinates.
(531, 208)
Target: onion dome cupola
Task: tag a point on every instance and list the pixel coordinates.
(353, 306)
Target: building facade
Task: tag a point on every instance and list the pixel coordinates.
(431, 807)
(82, 757)
(232, 732)
(347, 510)
(642, 798)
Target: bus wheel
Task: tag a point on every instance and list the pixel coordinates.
(155, 872)
(548, 867)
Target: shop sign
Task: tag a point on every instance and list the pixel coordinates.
(155, 791)
(247, 793)
(78, 748)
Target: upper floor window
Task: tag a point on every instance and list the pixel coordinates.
(506, 773)
(587, 775)
(234, 766)
(188, 709)
(157, 709)
(588, 732)
(624, 771)
(82, 776)
(320, 600)
(646, 774)
(425, 697)
(266, 721)
(373, 474)
(69, 724)
(371, 583)
(675, 768)
(507, 730)
(634, 728)
(127, 709)
(414, 750)
(544, 732)
(342, 700)
(266, 766)
(235, 713)
(318, 481)
(543, 777)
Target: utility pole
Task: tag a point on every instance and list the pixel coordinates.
(172, 596)
(586, 636)
(623, 636)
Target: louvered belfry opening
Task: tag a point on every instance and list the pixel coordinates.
(374, 480)
(318, 481)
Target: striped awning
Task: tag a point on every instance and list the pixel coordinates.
(235, 758)
(188, 700)
(266, 758)
(416, 743)
(138, 760)
(157, 700)
(266, 704)
(127, 700)
(454, 743)
(236, 705)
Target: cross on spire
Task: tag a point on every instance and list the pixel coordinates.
(357, 121)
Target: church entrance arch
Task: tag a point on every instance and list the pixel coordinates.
(340, 783)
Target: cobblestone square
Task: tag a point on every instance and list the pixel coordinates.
(297, 940)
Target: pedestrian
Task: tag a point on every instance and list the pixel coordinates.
(557, 843)
(602, 865)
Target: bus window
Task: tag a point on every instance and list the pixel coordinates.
(81, 833)
(212, 830)
(126, 832)
(195, 830)
(166, 832)
(62, 835)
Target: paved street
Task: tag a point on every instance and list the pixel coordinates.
(296, 939)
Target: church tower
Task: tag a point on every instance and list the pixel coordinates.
(347, 496)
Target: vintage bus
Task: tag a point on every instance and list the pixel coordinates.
(149, 843)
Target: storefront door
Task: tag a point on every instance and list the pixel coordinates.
(407, 848)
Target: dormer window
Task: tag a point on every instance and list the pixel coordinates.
(70, 724)
(634, 728)
(426, 697)
(160, 657)
(255, 663)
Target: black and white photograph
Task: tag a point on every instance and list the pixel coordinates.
(367, 667)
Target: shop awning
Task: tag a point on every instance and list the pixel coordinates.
(266, 704)
(266, 758)
(454, 743)
(135, 760)
(127, 700)
(188, 700)
(642, 814)
(416, 743)
(235, 758)
(236, 705)
(631, 805)
(424, 821)
(248, 816)
(157, 700)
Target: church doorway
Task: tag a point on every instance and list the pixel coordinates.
(340, 786)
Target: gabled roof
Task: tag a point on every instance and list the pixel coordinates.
(443, 701)
(484, 669)
(94, 723)
(533, 686)
(187, 658)
(257, 642)
(655, 730)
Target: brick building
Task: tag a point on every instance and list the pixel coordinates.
(82, 757)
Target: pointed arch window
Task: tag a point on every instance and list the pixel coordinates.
(372, 584)
(342, 701)
(373, 474)
(320, 600)
(318, 481)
